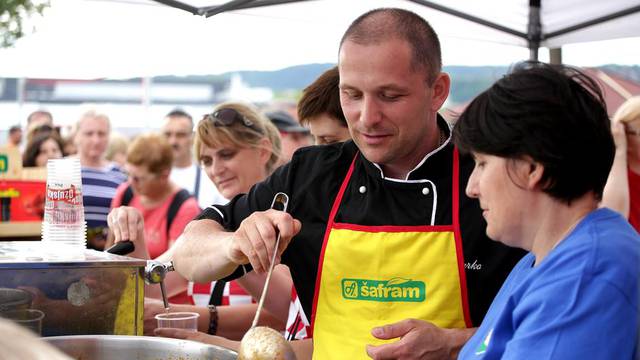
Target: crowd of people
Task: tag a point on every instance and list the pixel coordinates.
(512, 233)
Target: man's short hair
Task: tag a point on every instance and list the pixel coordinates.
(175, 113)
(14, 129)
(383, 24)
(322, 97)
(39, 113)
(92, 114)
(553, 114)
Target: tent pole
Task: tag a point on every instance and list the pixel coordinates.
(469, 17)
(534, 29)
(555, 56)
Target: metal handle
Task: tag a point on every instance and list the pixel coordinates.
(280, 202)
(155, 271)
(122, 248)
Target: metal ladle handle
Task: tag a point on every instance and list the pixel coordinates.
(280, 202)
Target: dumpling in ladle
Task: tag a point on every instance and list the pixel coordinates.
(264, 343)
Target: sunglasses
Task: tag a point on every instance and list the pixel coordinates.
(227, 117)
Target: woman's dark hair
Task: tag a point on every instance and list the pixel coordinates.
(32, 149)
(554, 114)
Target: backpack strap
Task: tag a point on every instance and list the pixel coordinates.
(127, 196)
(196, 187)
(180, 197)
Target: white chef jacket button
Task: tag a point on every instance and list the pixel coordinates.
(362, 189)
(425, 191)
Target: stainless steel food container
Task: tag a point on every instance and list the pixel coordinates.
(109, 347)
(80, 291)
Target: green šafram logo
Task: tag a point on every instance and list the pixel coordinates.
(396, 290)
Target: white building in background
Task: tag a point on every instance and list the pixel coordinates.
(239, 90)
(133, 105)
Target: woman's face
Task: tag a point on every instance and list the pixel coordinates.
(327, 130)
(500, 198)
(49, 149)
(144, 182)
(232, 169)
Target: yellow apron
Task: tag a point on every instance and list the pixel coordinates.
(370, 276)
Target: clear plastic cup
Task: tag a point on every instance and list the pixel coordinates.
(29, 318)
(178, 320)
(64, 221)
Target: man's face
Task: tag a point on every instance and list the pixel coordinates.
(39, 119)
(293, 141)
(389, 106)
(92, 137)
(16, 137)
(178, 132)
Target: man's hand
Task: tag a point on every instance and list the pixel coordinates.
(127, 223)
(255, 239)
(152, 307)
(418, 340)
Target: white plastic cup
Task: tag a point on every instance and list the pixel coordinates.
(178, 320)
(64, 221)
(29, 318)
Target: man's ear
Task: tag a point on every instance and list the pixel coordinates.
(441, 87)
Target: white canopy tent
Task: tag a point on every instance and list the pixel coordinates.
(81, 39)
(535, 23)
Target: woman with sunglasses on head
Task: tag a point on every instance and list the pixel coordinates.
(622, 192)
(236, 147)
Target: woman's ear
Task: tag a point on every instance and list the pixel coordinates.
(264, 150)
(165, 173)
(534, 174)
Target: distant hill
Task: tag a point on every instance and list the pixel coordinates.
(291, 78)
(629, 72)
(466, 81)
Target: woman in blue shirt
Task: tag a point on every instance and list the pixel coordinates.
(543, 148)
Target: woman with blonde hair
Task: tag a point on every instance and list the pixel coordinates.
(622, 192)
(237, 147)
(117, 149)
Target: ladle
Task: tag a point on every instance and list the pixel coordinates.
(261, 342)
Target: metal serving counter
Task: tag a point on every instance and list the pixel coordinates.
(80, 291)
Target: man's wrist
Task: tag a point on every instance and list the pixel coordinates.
(456, 340)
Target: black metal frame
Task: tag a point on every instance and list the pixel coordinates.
(533, 36)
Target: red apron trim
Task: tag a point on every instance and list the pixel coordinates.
(394, 228)
(327, 231)
(458, 237)
(455, 227)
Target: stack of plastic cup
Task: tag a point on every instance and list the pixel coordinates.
(64, 222)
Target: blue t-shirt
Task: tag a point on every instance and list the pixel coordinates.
(98, 189)
(580, 302)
